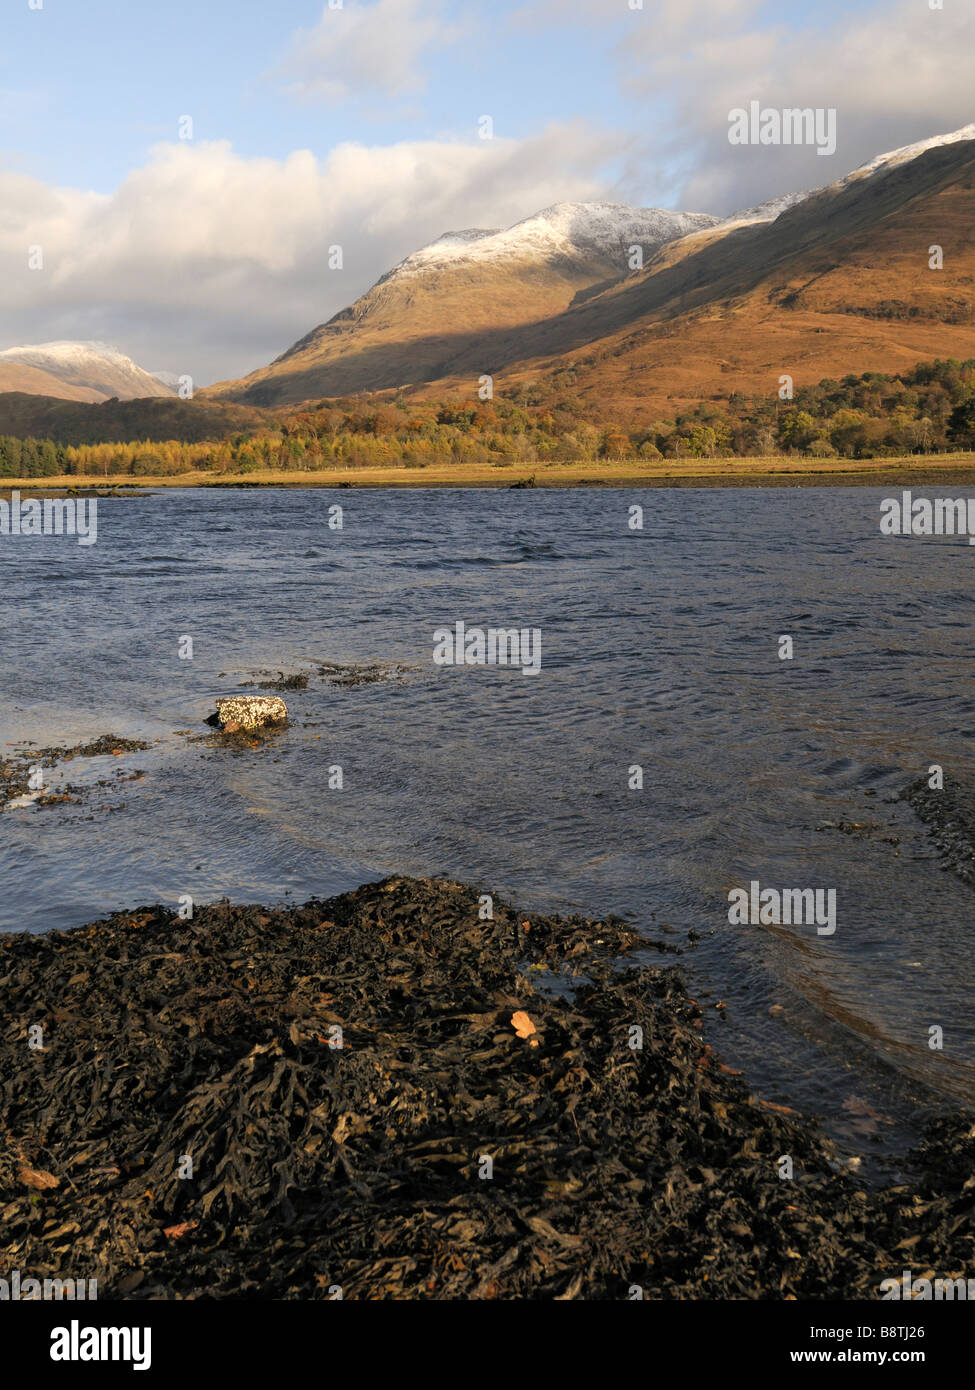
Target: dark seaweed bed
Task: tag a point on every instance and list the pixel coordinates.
(362, 1168)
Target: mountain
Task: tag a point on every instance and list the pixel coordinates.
(462, 286)
(768, 211)
(76, 371)
(839, 282)
(908, 152)
(15, 376)
(811, 285)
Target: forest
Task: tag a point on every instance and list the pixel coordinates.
(930, 409)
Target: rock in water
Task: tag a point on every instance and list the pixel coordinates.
(249, 712)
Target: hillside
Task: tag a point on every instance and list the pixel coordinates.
(815, 286)
(838, 283)
(454, 292)
(17, 376)
(77, 371)
(69, 422)
(811, 285)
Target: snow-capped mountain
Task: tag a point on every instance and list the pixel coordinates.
(882, 162)
(588, 231)
(95, 368)
(477, 297)
(769, 211)
(478, 281)
(766, 212)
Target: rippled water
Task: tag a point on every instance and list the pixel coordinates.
(659, 648)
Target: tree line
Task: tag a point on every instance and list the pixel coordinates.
(873, 415)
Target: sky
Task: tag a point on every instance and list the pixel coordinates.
(184, 169)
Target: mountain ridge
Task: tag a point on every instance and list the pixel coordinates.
(834, 278)
(98, 370)
(809, 280)
(485, 279)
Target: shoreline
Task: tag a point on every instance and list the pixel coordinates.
(382, 1094)
(953, 469)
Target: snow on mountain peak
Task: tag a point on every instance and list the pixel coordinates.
(766, 212)
(99, 366)
(65, 350)
(600, 230)
(769, 211)
(907, 152)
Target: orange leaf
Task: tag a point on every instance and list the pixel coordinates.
(523, 1026)
(779, 1109)
(174, 1232)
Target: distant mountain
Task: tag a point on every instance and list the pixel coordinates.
(808, 285)
(15, 376)
(77, 371)
(591, 234)
(460, 287)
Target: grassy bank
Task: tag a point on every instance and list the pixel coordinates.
(957, 469)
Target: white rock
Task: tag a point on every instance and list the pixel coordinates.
(250, 712)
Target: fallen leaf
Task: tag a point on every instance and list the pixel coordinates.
(37, 1178)
(779, 1109)
(524, 1027)
(174, 1232)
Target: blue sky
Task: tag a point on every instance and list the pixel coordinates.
(89, 87)
(207, 255)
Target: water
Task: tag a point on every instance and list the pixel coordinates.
(659, 648)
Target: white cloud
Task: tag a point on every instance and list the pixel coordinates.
(894, 74)
(205, 262)
(359, 50)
